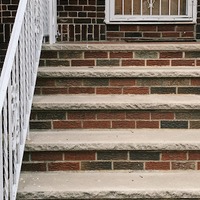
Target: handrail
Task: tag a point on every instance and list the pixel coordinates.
(17, 83)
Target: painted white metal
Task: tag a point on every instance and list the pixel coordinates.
(17, 83)
(189, 17)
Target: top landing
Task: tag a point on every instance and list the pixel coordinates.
(125, 46)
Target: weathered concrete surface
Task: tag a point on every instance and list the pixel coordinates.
(148, 139)
(116, 102)
(125, 46)
(118, 72)
(109, 185)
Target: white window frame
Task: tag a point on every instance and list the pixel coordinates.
(111, 18)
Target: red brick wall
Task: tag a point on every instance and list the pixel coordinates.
(84, 21)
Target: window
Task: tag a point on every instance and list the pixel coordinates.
(155, 11)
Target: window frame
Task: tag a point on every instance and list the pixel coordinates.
(111, 18)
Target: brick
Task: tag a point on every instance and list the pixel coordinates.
(137, 115)
(57, 63)
(147, 124)
(162, 115)
(170, 34)
(133, 63)
(112, 155)
(48, 115)
(45, 82)
(83, 63)
(63, 166)
(108, 62)
(174, 155)
(40, 125)
(183, 62)
(46, 156)
(146, 54)
(81, 90)
(96, 82)
(111, 115)
(70, 54)
(174, 124)
(66, 124)
(96, 54)
(68, 82)
(122, 54)
(171, 54)
(183, 165)
(144, 155)
(96, 166)
(157, 166)
(163, 90)
(96, 124)
(135, 90)
(147, 28)
(188, 115)
(166, 27)
(189, 90)
(194, 155)
(108, 90)
(158, 62)
(195, 124)
(122, 82)
(151, 34)
(79, 155)
(81, 115)
(195, 82)
(128, 166)
(49, 54)
(26, 156)
(34, 167)
(198, 167)
(55, 90)
(128, 27)
(123, 124)
(192, 54)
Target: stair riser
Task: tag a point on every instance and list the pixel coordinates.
(111, 160)
(117, 86)
(118, 57)
(136, 119)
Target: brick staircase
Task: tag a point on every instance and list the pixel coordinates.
(115, 121)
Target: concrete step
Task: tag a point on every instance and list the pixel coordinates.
(120, 54)
(118, 80)
(112, 150)
(110, 140)
(116, 102)
(108, 185)
(115, 111)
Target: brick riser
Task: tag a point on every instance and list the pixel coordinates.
(111, 160)
(52, 85)
(129, 58)
(56, 119)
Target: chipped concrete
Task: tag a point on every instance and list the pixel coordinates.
(109, 185)
(118, 72)
(116, 102)
(147, 139)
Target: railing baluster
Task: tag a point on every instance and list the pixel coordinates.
(17, 82)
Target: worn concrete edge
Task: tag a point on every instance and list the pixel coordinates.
(116, 72)
(100, 185)
(124, 46)
(135, 139)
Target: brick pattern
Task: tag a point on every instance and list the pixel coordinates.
(84, 21)
(100, 86)
(111, 160)
(119, 58)
(135, 119)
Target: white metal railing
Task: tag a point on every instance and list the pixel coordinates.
(17, 84)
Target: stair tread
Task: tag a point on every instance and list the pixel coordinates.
(135, 139)
(120, 184)
(117, 72)
(118, 102)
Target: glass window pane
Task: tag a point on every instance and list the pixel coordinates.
(156, 7)
(137, 7)
(145, 7)
(183, 7)
(165, 7)
(174, 7)
(118, 7)
(128, 7)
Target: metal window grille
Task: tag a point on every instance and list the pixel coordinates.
(151, 10)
